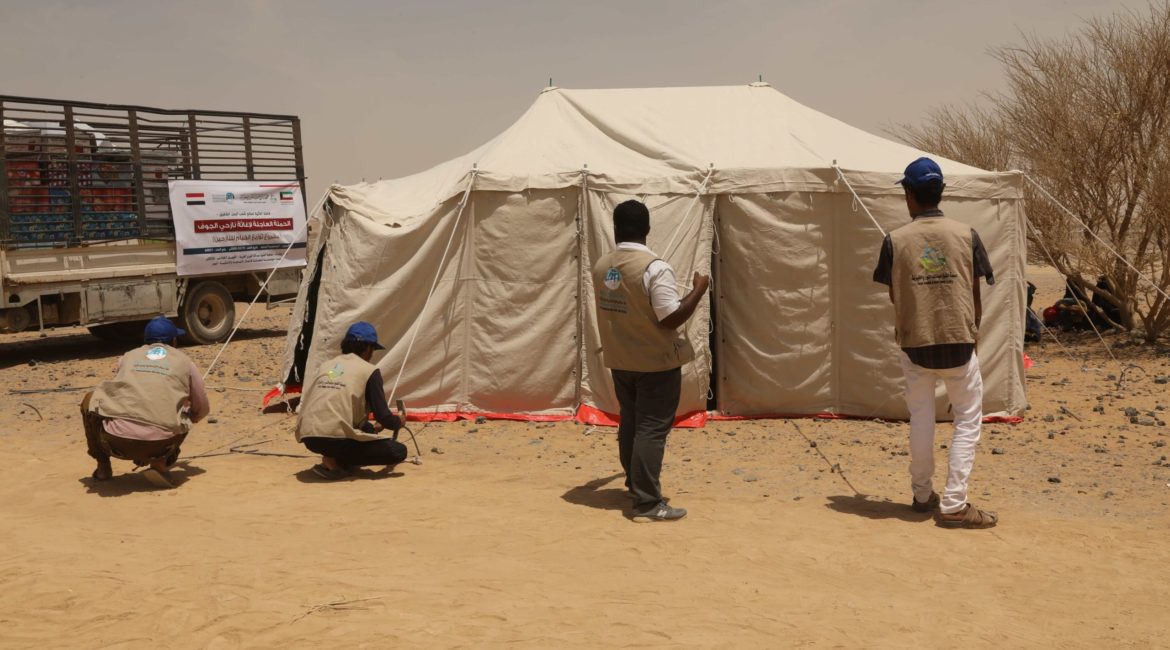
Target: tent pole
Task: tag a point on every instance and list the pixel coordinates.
(582, 209)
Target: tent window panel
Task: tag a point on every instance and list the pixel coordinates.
(866, 356)
(522, 349)
(774, 301)
(523, 352)
(526, 236)
(433, 375)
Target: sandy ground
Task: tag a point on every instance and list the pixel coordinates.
(513, 533)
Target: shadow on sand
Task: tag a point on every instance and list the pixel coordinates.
(307, 476)
(591, 495)
(131, 482)
(873, 508)
(82, 346)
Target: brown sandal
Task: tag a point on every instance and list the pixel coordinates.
(968, 517)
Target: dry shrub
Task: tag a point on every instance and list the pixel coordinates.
(1088, 118)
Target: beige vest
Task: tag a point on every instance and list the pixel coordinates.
(333, 404)
(932, 283)
(152, 386)
(631, 338)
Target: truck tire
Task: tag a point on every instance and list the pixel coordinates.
(207, 313)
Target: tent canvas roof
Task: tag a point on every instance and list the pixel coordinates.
(661, 140)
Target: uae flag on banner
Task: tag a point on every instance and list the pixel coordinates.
(195, 198)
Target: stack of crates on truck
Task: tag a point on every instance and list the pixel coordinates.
(40, 187)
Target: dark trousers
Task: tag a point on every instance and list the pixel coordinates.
(648, 401)
(101, 445)
(358, 453)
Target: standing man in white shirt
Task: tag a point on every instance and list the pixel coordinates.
(639, 312)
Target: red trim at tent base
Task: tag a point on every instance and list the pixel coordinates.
(991, 419)
(279, 391)
(589, 415)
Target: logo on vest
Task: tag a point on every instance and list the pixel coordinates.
(156, 353)
(933, 261)
(335, 371)
(613, 279)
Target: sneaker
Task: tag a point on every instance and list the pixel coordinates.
(660, 512)
(328, 474)
(930, 505)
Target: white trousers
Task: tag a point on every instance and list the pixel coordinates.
(965, 390)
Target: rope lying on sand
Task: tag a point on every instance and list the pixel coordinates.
(834, 468)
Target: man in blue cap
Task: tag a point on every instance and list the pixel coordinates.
(932, 267)
(333, 418)
(144, 413)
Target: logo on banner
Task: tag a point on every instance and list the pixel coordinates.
(196, 198)
(286, 197)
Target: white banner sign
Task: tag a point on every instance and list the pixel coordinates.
(233, 226)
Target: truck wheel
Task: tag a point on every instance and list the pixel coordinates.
(16, 319)
(207, 313)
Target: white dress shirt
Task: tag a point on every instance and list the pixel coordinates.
(658, 281)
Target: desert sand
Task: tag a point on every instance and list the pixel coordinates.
(513, 534)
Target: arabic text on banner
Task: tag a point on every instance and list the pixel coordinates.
(234, 226)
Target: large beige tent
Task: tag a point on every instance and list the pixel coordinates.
(742, 182)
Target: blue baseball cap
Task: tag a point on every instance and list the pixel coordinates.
(160, 329)
(363, 332)
(921, 171)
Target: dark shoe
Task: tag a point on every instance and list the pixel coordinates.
(660, 512)
(328, 474)
(104, 471)
(930, 505)
(968, 517)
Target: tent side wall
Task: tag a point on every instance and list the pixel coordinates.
(511, 326)
(497, 333)
(802, 327)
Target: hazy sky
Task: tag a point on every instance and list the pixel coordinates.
(386, 89)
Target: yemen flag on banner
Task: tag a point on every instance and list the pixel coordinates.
(195, 198)
(286, 196)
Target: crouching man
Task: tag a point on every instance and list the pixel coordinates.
(144, 413)
(333, 416)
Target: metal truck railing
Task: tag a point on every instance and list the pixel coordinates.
(76, 173)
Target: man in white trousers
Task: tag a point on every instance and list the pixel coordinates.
(932, 267)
